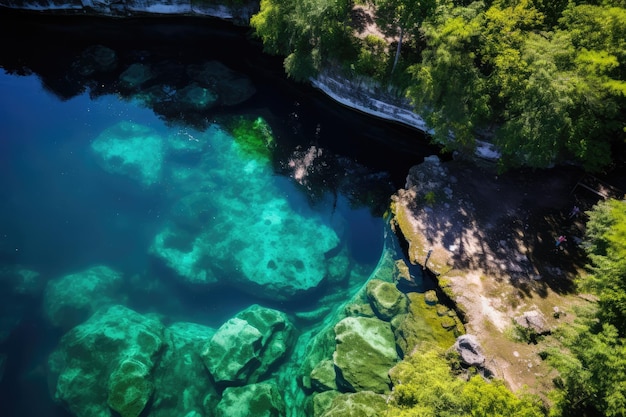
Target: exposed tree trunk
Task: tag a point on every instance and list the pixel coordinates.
(395, 60)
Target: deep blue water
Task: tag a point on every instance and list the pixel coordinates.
(62, 211)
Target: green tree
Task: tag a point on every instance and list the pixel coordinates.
(448, 89)
(425, 386)
(306, 32)
(606, 243)
(399, 17)
(592, 370)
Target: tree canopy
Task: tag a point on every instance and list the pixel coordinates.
(544, 80)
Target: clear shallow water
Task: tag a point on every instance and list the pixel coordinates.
(64, 208)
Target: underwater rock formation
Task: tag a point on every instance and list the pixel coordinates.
(234, 224)
(246, 347)
(108, 361)
(365, 403)
(71, 299)
(132, 150)
(182, 386)
(365, 352)
(262, 399)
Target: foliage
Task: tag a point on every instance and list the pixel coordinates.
(544, 79)
(592, 368)
(425, 386)
(592, 372)
(305, 31)
(606, 247)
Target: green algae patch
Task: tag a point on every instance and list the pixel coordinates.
(254, 137)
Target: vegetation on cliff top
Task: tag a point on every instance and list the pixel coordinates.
(544, 80)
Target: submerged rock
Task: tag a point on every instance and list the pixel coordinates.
(263, 400)
(364, 403)
(365, 352)
(246, 347)
(108, 361)
(131, 149)
(74, 297)
(234, 224)
(183, 387)
(135, 76)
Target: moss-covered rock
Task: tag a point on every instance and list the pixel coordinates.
(359, 310)
(386, 300)
(263, 399)
(324, 377)
(365, 352)
(424, 324)
(322, 402)
(358, 404)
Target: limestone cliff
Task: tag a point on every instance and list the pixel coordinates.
(237, 11)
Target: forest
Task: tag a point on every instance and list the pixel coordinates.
(545, 80)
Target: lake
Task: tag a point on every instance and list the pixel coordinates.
(167, 165)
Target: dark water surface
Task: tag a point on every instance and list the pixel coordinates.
(265, 147)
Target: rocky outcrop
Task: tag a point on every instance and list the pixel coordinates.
(71, 299)
(246, 347)
(469, 350)
(236, 11)
(107, 363)
(364, 353)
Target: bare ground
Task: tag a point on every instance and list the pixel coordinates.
(493, 243)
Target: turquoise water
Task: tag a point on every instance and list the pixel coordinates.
(69, 202)
(141, 165)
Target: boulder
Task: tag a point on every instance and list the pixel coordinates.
(107, 363)
(534, 321)
(322, 402)
(71, 299)
(135, 75)
(232, 88)
(470, 350)
(263, 400)
(245, 347)
(324, 377)
(183, 386)
(358, 404)
(386, 300)
(365, 351)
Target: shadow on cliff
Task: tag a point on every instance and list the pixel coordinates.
(508, 225)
